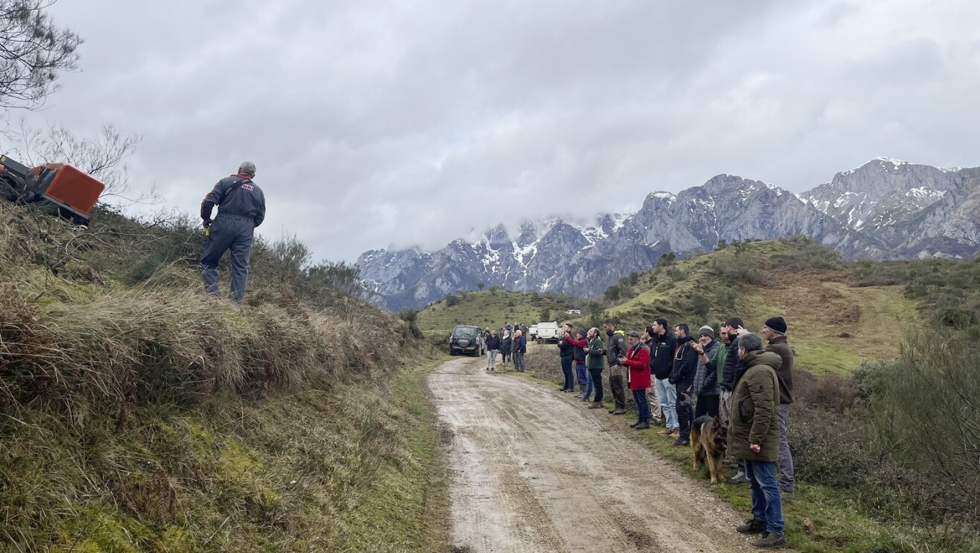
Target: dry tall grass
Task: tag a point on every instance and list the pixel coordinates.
(138, 413)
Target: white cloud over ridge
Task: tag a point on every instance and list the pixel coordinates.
(409, 123)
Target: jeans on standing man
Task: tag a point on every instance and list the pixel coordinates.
(767, 507)
(566, 369)
(492, 359)
(667, 394)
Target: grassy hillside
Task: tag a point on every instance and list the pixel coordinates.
(494, 309)
(138, 414)
(836, 320)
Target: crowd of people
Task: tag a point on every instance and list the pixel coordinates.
(676, 376)
(511, 344)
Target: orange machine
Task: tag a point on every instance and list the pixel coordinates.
(74, 192)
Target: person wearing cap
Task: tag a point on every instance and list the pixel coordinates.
(775, 331)
(616, 348)
(579, 344)
(637, 360)
(706, 381)
(241, 208)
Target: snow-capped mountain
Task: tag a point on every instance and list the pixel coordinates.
(883, 209)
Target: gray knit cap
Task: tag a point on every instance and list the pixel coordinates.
(707, 330)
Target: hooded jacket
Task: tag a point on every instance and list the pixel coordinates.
(755, 409)
(638, 362)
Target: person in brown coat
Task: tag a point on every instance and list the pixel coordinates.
(775, 331)
(754, 436)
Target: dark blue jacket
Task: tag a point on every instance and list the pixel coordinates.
(662, 355)
(685, 365)
(235, 195)
(734, 369)
(493, 342)
(521, 344)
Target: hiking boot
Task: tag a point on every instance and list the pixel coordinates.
(770, 540)
(595, 405)
(665, 432)
(634, 424)
(675, 433)
(739, 478)
(642, 426)
(751, 526)
(682, 442)
(618, 411)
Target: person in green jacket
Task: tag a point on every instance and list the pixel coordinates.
(595, 361)
(717, 364)
(754, 436)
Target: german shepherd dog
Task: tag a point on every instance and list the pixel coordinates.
(709, 439)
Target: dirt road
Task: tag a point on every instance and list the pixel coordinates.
(535, 471)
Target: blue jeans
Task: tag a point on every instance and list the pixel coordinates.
(667, 394)
(589, 387)
(767, 506)
(642, 405)
(519, 361)
(566, 369)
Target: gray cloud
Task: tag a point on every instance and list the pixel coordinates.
(377, 123)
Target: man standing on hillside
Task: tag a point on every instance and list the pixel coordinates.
(682, 376)
(775, 331)
(506, 343)
(754, 436)
(637, 360)
(241, 208)
(616, 348)
(493, 344)
(595, 362)
(662, 363)
(520, 348)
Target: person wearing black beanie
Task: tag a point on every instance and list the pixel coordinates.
(775, 331)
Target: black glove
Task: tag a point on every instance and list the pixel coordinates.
(206, 223)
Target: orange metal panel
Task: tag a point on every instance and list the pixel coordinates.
(74, 188)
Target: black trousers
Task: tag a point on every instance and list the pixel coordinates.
(707, 405)
(684, 413)
(597, 383)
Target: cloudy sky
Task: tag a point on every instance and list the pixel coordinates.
(389, 124)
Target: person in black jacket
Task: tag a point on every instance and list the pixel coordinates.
(493, 344)
(662, 348)
(505, 346)
(732, 373)
(566, 353)
(682, 376)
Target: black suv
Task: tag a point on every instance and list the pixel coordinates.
(467, 339)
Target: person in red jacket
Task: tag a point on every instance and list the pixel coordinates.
(638, 361)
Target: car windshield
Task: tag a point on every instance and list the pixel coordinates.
(465, 332)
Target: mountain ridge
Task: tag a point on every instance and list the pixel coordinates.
(884, 209)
